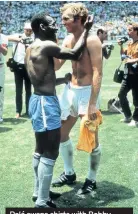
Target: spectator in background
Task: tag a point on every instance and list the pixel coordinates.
(21, 42)
(106, 48)
(3, 52)
(131, 82)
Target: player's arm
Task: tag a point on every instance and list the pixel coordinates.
(95, 51)
(4, 49)
(106, 53)
(132, 61)
(58, 63)
(53, 50)
(66, 44)
(76, 51)
(60, 80)
(4, 46)
(66, 53)
(64, 80)
(14, 38)
(28, 50)
(122, 49)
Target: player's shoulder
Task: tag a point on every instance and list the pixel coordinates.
(69, 36)
(93, 41)
(68, 39)
(93, 38)
(39, 43)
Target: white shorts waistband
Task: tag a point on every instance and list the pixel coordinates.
(70, 85)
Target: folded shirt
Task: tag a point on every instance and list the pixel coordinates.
(88, 128)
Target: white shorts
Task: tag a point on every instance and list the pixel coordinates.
(74, 100)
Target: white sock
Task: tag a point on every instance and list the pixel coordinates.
(45, 173)
(66, 150)
(36, 160)
(94, 161)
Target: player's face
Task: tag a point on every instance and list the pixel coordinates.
(50, 28)
(68, 21)
(51, 24)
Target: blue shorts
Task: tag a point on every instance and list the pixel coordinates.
(44, 112)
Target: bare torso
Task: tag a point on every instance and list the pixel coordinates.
(82, 69)
(40, 69)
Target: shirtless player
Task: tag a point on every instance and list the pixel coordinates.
(44, 109)
(80, 97)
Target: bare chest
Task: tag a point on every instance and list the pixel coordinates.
(82, 67)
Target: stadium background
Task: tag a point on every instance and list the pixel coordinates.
(114, 14)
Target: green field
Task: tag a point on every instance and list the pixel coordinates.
(118, 173)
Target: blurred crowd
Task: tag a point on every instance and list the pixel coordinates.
(114, 14)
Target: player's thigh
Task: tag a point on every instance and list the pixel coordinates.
(38, 146)
(48, 143)
(66, 127)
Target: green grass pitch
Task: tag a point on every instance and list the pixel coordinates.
(117, 177)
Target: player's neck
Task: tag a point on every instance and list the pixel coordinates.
(78, 33)
(44, 38)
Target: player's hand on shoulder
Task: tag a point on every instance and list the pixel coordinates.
(89, 22)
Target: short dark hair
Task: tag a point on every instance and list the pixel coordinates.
(100, 30)
(37, 20)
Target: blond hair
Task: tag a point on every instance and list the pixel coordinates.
(77, 9)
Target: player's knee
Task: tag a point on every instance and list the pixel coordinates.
(51, 154)
(36, 159)
(64, 137)
(97, 150)
(55, 155)
(38, 150)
